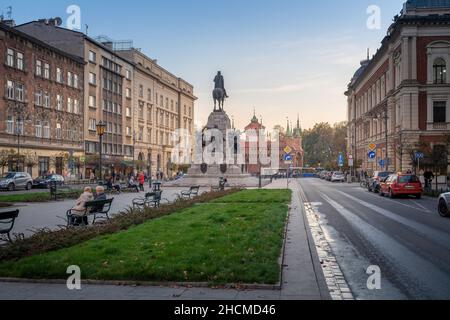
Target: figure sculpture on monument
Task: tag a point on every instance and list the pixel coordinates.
(219, 93)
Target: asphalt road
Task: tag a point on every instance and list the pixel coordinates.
(405, 238)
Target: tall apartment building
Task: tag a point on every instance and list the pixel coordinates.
(41, 106)
(108, 87)
(163, 103)
(141, 103)
(399, 100)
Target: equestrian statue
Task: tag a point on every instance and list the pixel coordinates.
(219, 93)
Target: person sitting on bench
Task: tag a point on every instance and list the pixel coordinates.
(132, 184)
(79, 210)
(112, 186)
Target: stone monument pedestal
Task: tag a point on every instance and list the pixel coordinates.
(209, 175)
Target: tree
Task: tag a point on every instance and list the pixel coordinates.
(323, 144)
(5, 156)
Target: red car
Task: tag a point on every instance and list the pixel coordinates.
(402, 184)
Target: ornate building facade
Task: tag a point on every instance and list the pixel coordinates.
(399, 99)
(291, 139)
(42, 106)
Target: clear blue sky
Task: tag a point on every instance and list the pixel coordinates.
(282, 57)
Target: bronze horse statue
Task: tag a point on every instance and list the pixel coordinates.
(219, 96)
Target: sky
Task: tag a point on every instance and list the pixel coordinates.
(281, 57)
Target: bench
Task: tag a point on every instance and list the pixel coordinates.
(150, 199)
(7, 220)
(192, 192)
(97, 208)
(59, 191)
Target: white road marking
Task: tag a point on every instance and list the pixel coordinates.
(423, 272)
(439, 237)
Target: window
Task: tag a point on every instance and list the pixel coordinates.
(141, 111)
(10, 90)
(38, 98)
(128, 132)
(141, 91)
(92, 57)
(58, 131)
(92, 125)
(128, 74)
(92, 101)
(10, 125)
(440, 112)
(38, 68)
(59, 75)
(75, 81)
(46, 130)
(44, 166)
(59, 102)
(46, 71)
(92, 78)
(440, 71)
(69, 105)
(128, 112)
(38, 128)
(76, 106)
(149, 95)
(20, 91)
(128, 93)
(69, 78)
(19, 60)
(10, 58)
(46, 100)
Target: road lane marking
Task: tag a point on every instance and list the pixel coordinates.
(431, 277)
(432, 234)
(421, 206)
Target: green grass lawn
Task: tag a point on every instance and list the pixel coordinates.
(36, 197)
(235, 239)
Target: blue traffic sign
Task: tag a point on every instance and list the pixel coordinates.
(372, 155)
(419, 155)
(341, 160)
(382, 163)
(287, 157)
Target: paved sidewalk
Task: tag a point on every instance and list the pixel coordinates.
(302, 275)
(51, 215)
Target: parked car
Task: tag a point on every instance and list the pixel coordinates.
(329, 175)
(16, 180)
(45, 181)
(402, 184)
(374, 182)
(444, 205)
(338, 177)
(323, 174)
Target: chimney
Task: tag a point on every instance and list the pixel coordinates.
(9, 23)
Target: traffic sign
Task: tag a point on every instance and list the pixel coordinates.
(372, 147)
(288, 150)
(382, 163)
(372, 155)
(419, 155)
(341, 160)
(351, 163)
(287, 157)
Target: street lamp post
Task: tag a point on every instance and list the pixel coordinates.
(134, 150)
(101, 128)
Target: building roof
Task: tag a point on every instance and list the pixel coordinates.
(40, 43)
(427, 4)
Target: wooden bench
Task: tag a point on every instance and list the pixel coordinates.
(192, 192)
(97, 208)
(7, 220)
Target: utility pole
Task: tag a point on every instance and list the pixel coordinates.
(386, 118)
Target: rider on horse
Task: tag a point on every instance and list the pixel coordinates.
(220, 83)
